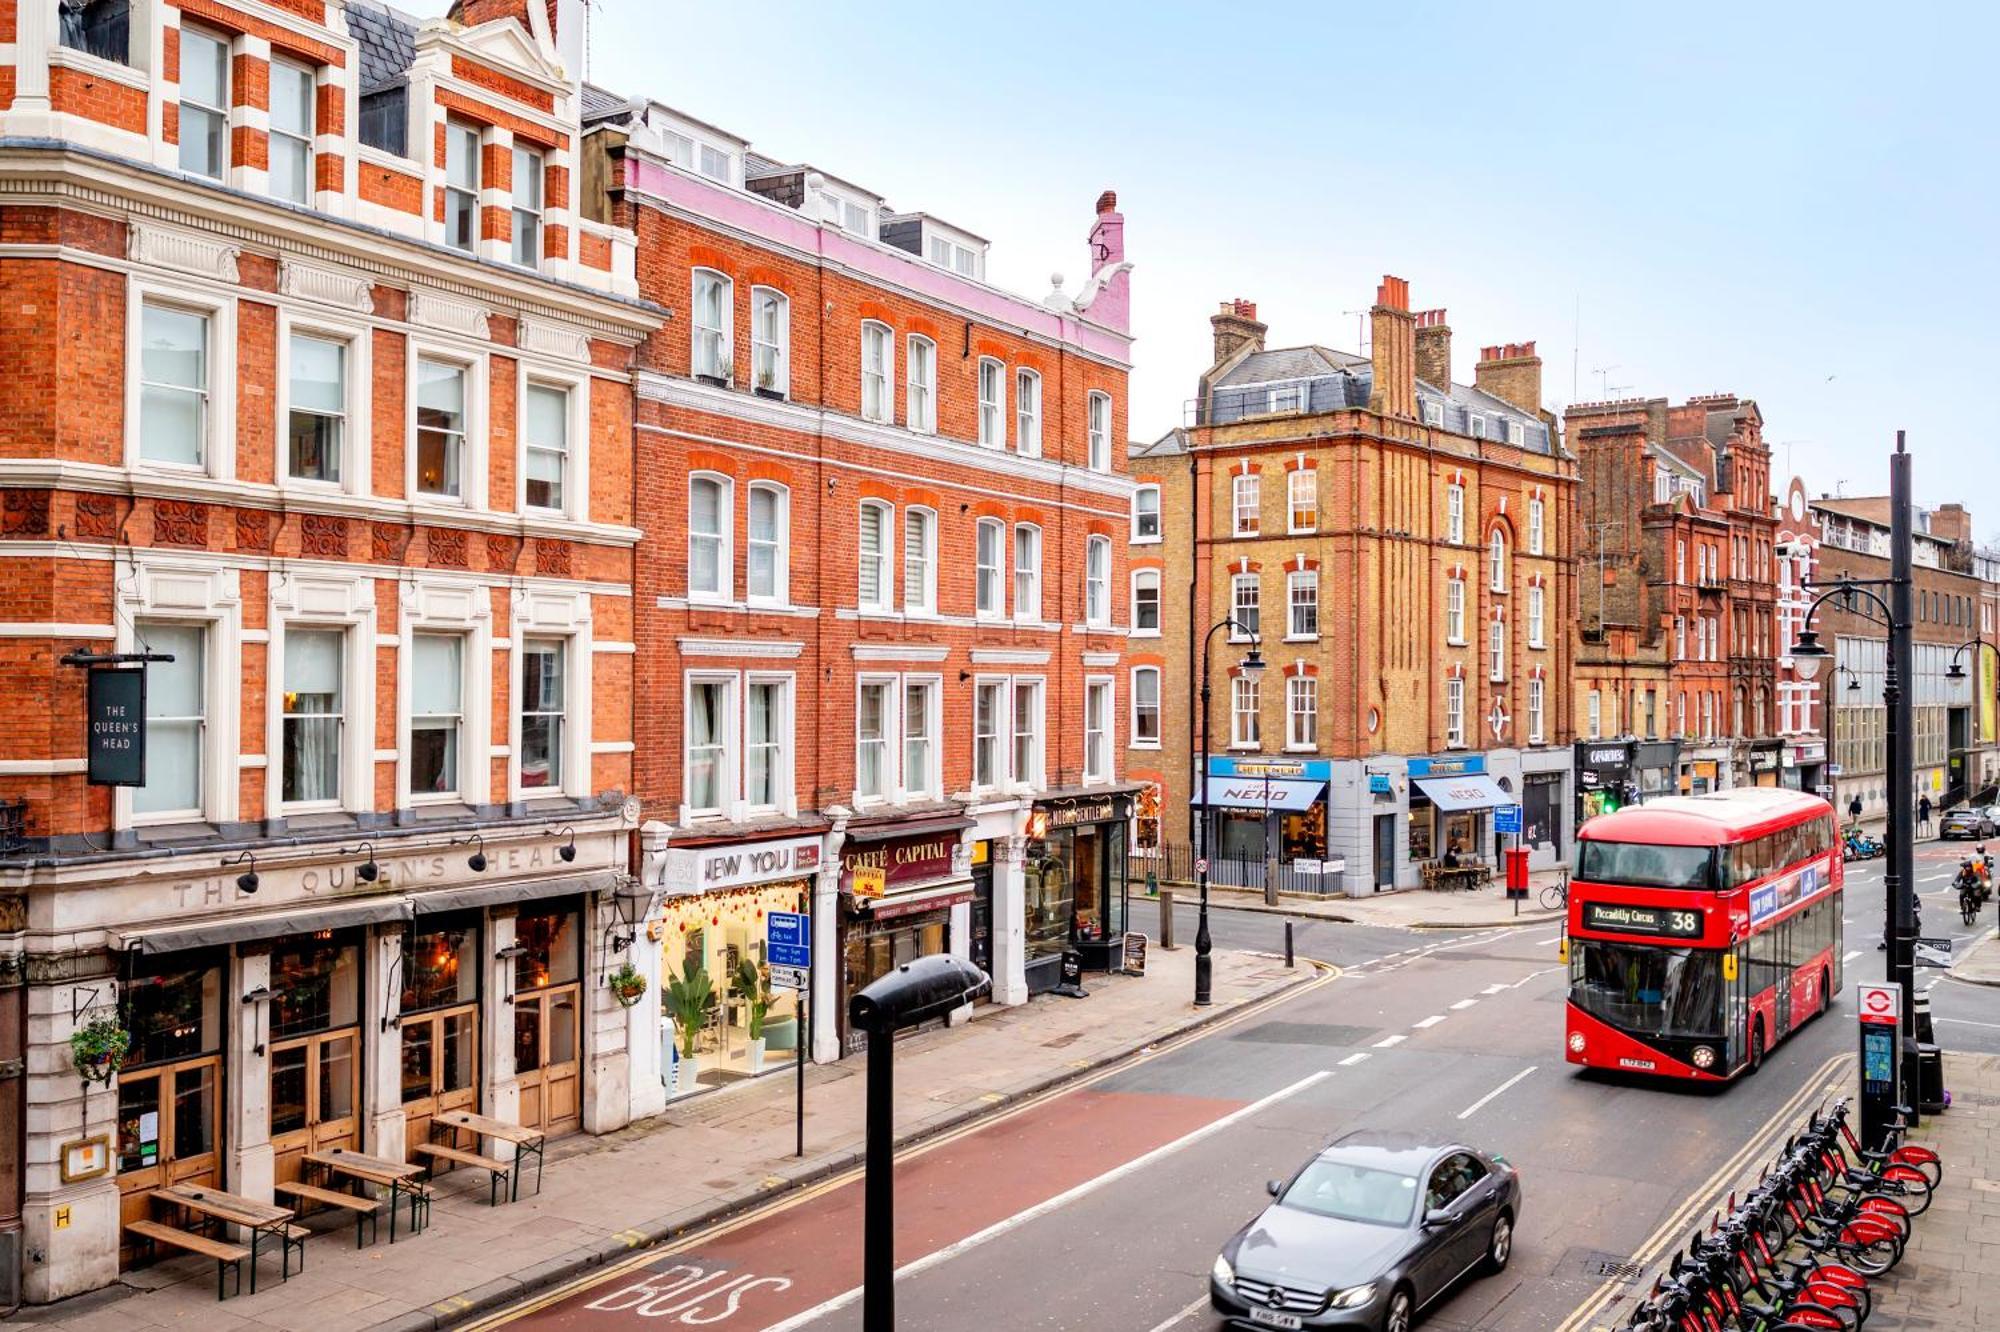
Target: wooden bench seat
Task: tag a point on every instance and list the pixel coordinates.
(367, 1211)
(498, 1171)
(228, 1257)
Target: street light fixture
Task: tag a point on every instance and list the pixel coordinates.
(1251, 666)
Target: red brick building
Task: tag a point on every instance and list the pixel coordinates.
(882, 607)
(1680, 497)
(318, 391)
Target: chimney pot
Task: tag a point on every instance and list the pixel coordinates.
(1107, 202)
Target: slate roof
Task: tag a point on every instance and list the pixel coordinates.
(1289, 363)
(1173, 442)
(388, 44)
(602, 103)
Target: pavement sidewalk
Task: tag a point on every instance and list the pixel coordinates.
(1981, 963)
(1950, 1274)
(705, 1158)
(1405, 908)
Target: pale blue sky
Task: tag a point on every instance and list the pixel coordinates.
(1791, 201)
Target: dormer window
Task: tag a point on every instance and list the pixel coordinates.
(1517, 434)
(1433, 413)
(1288, 399)
(958, 258)
(1475, 425)
(716, 164)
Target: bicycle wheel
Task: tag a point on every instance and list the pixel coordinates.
(1873, 1257)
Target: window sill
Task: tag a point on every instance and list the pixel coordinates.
(1246, 746)
(1300, 638)
(1144, 633)
(1245, 532)
(1302, 749)
(1302, 531)
(1147, 541)
(1145, 744)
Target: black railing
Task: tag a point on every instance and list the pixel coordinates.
(1172, 866)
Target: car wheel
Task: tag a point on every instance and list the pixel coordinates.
(1400, 1313)
(1501, 1247)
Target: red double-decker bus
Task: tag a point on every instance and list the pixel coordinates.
(1702, 931)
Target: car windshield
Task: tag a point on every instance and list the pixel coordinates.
(1648, 990)
(1353, 1193)
(1645, 866)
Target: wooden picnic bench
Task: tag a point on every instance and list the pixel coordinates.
(264, 1221)
(228, 1257)
(1444, 878)
(398, 1177)
(525, 1141)
(367, 1212)
(498, 1172)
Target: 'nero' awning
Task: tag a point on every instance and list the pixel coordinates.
(1472, 791)
(1281, 793)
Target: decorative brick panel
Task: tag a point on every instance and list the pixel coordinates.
(552, 559)
(501, 552)
(96, 517)
(180, 523)
(387, 542)
(253, 531)
(25, 513)
(323, 536)
(447, 547)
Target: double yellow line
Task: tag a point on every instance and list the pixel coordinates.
(1821, 1084)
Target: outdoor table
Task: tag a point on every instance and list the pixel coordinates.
(526, 1141)
(399, 1177)
(262, 1220)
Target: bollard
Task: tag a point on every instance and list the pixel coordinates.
(1166, 918)
(1288, 946)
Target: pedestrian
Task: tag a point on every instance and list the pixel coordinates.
(1854, 810)
(1924, 815)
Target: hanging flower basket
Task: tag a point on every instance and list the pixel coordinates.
(627, 985)
(98, 1048)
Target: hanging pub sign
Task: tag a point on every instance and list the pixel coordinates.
(115, 745)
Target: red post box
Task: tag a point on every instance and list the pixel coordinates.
(1517, 871)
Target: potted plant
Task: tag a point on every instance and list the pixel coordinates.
(627, 985)
(753, 982)
(690, 999)
(98, 1048)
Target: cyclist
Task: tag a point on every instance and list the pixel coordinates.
(1970, 891)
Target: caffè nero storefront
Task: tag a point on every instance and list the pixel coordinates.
(319, 997)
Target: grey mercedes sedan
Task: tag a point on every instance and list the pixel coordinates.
(1368, 1233)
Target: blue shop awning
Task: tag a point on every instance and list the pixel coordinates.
(1472, 791)
(1285, 793)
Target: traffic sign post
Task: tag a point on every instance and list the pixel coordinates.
(788, 952)
(1880, 1010)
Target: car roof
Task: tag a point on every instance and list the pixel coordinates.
(1387, 1149)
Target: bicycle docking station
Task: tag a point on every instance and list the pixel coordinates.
(1880, 1007)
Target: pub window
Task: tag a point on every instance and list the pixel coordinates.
(548, 955)
(313, 715)
(168, 1088)
(315, 1005)
(437, 712)
(440, 1009)
(176, 721)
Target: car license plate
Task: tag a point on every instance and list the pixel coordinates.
(1268, 1318)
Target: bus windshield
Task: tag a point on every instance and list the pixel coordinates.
(1648, 990)
(1641, 865)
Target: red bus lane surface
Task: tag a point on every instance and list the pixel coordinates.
(778, 1266)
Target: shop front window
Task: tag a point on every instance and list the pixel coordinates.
(1051, 893)
(169, 1087)
(315, 986)
(547, 1025)
(1303, 834)
(548, 953)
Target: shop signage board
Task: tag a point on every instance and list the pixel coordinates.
(1507, 819)
(788, 978)
(1310, 769)
(704, 869)
(788, 939)
(1448, 767)
(875, 868)
(115, 743)
(1135, 953)
(868, 880)
(1378, 784)
(1082, 812)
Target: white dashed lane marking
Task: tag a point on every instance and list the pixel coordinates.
(1354, 1059)
(1390, 1042)
(1428, 1022)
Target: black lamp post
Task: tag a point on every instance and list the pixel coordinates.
(915, 992)
(1252, 666)
(1957, 672)
(1898, 879)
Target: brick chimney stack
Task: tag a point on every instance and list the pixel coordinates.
(1236, 325)
(1512, 373)
(1951, 522)
(1393, 349)
(1110, 287)
(1434, 350)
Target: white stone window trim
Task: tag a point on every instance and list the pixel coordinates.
(730, 784)
(781, 571)
(1159, 707)
(891, 740)
(785, 777)
(561, 613)
(343, 600)
(356, 453)
(196, 594)
(576, 463)
(473, 463)
(1109, 684)
(1003, 735)
(451, 606)
(933, 685)
(1139, 576)
(1017, 780)
(219, 415)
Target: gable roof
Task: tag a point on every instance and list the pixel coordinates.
(388, 42)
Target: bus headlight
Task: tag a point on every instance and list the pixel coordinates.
(1576, 1042)
(1704, 1057)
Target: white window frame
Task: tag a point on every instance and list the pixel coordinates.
(725, 558)
(1027, 412)
(1454, 611)
(728, 783)
(355, 432)
(455, 193)
(1029, 776)
(920, 389)
(472, 461)
(1594, 713)
(1097, 582)
(1496, 559)
(885, 580)
(1302, 484)
(525, 216)
(1098, 428)
(1496, 650)
(218, 426)
(783, 749)
(996, 607)
(1245, 724)
(878, 336)
(1475, 425)
(992, 406)
(933, 689)
(567, 717)
(1537, 520)
(711, 349)
(1140, 580)
(186, 103)
(206, 756)
(781, 545)
(1517, 434)
(775, 348)
(1302, 722)
(576, 435)
(1537, 701)
(303, 141)
(352, 731)
(1454, 514)
(462, 778)
(1297, 581)
(191, 592)
(891, 739)
(1099, 762)
(1537, 613)
(1239, 630)
(1141, 537)
(1680, 638)
(920, 582)
(1140, 676)
(1027, 573)
(1246, 502)
(1000, 737)
(1454, 712)
(1433, 412)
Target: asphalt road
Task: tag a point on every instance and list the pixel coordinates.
(1105, 1206)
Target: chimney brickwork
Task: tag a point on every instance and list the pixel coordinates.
(1512, 373)
(1236, 325)
(1393, 350)
(1434, 350)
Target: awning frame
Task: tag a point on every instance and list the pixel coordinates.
(1492, 790)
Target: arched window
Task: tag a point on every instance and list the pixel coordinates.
(878, 524)
(1454, 514)
(711, 522)
(1099, 426)
(714, 319)
(919, 561)
(1454, 610)
(990, 561)
(1536, 524)
(992, 402)
(1497, 559)
(878, 365)
(1027, 572)
(920, 403)
(1145, 603)
(1097, 582)
(1146, 514)
(1028, 413)
(1145, 707)
(768, 566)
(770, 342)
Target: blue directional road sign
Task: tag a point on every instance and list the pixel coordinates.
(788, 939)
(1507, 819)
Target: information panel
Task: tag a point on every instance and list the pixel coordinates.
(1668, 922)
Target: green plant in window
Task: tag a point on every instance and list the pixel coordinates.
(753, 982)
(691, 999)
(626, 984)
(98, 1048)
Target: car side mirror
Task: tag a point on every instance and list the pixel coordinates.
(1435, 1217)
(1274, 1187)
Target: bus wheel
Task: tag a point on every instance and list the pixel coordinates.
(1825, 990)
(1756, 1047)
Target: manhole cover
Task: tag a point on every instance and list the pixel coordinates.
(1617, 1269)
(1304, 1033)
